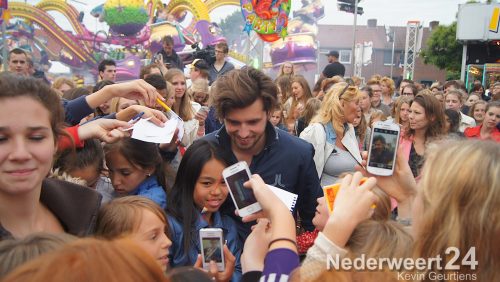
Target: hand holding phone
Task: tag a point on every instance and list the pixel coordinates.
(243, 198)
(212, 246)
(383, 147)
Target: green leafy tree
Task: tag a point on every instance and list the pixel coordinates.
(443, 50)
(232, 26)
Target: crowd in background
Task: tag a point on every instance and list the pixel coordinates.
(69, 169)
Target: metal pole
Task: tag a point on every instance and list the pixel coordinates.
(464, 61)
(4, 40)
(392, 53)
(354, 38)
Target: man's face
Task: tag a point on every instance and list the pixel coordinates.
(168, 47)
(109, 73)
(378, 145)
(331, 59)
(219, 54)
(18, 64)
(246, 127)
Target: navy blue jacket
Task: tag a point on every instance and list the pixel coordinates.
(181, 257)
(285, 162)
(76, 109)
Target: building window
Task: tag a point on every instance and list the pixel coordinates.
(345, 56)
(387, 57)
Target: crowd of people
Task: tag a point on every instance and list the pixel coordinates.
(80, 199)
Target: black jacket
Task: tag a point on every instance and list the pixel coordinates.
(75, 207)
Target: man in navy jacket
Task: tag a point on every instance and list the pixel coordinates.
(243, 100)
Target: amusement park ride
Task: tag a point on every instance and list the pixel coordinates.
(132, 35)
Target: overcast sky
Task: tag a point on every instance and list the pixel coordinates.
(387, 12)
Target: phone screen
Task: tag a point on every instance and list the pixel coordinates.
(212, 249)
(243, 196)
(383, 148)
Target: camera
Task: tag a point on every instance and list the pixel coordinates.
(207, 53)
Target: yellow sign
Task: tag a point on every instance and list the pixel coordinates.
(495, 17)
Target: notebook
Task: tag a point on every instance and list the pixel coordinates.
(288, 198)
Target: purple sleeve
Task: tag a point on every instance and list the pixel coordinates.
(278, 264)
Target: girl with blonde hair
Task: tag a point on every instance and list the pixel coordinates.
(286, 69)
(301, 94)
(92, 260)
(63, 84)
(139, 219)
(387, 86)
(401, 111)
(329, 127)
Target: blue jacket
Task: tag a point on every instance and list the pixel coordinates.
(181, 257)
(75, 110)
(150, 188)
(285, 162)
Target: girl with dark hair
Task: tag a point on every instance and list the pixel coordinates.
(87, 164)
(193, 203)
(136, 168)
(426, 122)
(452, 121)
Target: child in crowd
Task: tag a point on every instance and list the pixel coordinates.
(310, 110)
(193, 203)
(362, 131)
(277, 118)
(139, 219)
(377, 115)
(87, 164)
(14, 253)
(136, 168)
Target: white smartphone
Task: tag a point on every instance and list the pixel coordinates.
(204, 109)
(383, 147)
(243, 198)
(212, 247)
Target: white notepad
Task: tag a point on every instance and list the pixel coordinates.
(288, 198)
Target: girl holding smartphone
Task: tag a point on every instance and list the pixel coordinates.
(193, 203)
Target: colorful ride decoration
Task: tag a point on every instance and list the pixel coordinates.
(268, 18)
(125, 17)
(300, 47)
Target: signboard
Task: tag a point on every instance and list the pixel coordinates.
(483, 26)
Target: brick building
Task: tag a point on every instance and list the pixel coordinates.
(339, 38)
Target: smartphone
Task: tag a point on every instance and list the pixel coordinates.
(383, 147)
(212, 247)
(243, 198)
(204, 109)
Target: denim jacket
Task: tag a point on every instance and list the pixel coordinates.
(150, 188)
(181, 257)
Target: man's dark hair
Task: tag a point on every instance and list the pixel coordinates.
(104, 63)
(18, 51)
(239, 89)
(379, 138)
(100, 85)
(223, 46)
(168, 39)
(157, 81)
(453, 83)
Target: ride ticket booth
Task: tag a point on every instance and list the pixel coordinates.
(480, 36)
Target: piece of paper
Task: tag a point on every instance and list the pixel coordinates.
(288, 198)
(180, 123)
(149, 132)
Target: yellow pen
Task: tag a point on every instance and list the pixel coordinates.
(163, 104)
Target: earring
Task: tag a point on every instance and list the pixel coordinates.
(148, 174)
